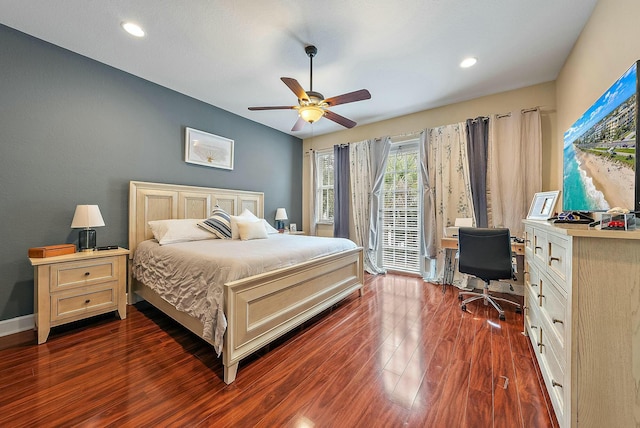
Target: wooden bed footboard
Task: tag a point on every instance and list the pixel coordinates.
(262, 308)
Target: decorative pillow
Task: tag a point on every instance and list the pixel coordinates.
(252, 230)
(249, 214)
(219, 223)
(237, 219)
(178, 230)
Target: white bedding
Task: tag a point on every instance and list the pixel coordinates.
(191, 275)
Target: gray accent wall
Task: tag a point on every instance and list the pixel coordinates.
(75, 131)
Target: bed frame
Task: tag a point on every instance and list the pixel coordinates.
(260, 308)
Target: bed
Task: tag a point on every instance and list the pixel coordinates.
(259, 308)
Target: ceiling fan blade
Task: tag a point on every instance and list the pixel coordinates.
(273, 108)
(299, 124)
(341, 120)
(295, 88)
(350, 97)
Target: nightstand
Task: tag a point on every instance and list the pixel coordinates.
(76, 286)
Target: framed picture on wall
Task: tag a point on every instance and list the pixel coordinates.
(543, 205)
(202, 148)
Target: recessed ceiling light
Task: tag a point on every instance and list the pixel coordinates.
(133, 29)
(468, 62)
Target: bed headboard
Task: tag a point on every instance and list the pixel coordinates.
(159, 201)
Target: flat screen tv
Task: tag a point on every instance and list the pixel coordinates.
(600, 167)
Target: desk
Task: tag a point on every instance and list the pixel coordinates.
(450, 246)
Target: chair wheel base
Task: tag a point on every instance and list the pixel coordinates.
(502, 317)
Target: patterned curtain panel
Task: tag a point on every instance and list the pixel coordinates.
(447, 157)
(515, 168)
(361, 185)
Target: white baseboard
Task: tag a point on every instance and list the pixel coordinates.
(16, 325)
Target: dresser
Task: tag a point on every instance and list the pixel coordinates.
(76, 286)
(582, 316)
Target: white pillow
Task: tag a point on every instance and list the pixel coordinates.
(237, 219)
(178, 230)
(270, 229)
(252, 230)
(249, 214)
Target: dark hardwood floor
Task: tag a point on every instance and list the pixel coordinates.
(403, 355)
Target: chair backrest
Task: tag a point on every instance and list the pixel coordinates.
(485, 253)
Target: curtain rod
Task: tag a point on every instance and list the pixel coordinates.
(524, 110)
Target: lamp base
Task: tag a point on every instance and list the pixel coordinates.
(87, 240)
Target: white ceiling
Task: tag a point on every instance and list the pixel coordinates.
(232, 53)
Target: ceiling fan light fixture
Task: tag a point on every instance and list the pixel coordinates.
(311, 113)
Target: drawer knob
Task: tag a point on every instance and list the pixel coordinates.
(551, 259)
(538, 248)
(534, 326)
(87, 301)
(554, 383)
(557, 321)
(87, 273)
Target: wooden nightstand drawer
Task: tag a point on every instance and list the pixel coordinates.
(81, 273)
(81, 302)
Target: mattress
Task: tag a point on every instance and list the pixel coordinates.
(191, 275)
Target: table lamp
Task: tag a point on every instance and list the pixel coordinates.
(86, 217)
(281, 215)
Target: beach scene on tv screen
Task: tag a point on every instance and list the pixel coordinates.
(600, 150)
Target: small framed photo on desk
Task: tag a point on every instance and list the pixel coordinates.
(543, 205)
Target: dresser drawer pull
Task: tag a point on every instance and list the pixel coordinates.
(86, 302)
(554, 383)
(534, 326)
(541, 296)
(540, 345)
(538, 248)
(557, 321)
(551, 259)
(87, 273)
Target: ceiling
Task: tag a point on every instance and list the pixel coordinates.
(232, 53)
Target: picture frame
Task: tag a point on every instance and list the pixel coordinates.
(293, 227)
(203, 148)
(543, 205)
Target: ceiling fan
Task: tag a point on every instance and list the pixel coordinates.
(312, 106)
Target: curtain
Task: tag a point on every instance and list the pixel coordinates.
(448, 176)
(361, 185)
(341, 191)
(428, 244)
(311, 158)
(477, 147)
(515, 167)
(379, 154)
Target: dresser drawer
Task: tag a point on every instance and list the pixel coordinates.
(81, 302)
(81, 273)
(553, 372)
(539, 246)
(553, 308)
(558, 263)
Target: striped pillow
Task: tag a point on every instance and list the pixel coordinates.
(219, 223)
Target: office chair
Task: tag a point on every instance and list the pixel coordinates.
(486, 254)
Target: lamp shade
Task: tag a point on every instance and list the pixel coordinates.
(87, 216)
(281, 214)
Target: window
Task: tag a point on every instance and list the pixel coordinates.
(324, 187)
(401, 210)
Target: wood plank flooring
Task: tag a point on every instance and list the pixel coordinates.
(403, 355)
